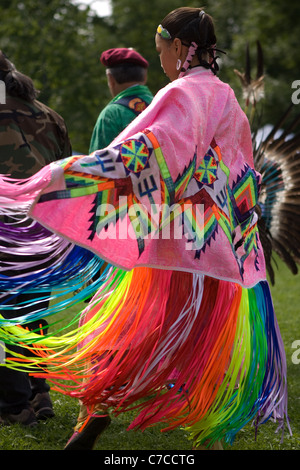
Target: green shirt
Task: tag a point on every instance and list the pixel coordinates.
(115, 117)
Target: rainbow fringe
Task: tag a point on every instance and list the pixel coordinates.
(180, 349)
(35, 261)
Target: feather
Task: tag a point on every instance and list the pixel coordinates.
(253, 90)
(277, 158)
(280, 195)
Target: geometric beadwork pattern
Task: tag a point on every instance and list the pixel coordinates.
(245, 193)
(207, 170)
(135, 155)
(205, 200)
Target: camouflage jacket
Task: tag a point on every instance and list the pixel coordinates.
(31, 136)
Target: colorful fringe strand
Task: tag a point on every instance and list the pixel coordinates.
(35, 261)
(181, 349)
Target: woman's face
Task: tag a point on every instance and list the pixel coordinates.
(167, 51)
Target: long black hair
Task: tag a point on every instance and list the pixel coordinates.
(16, 83)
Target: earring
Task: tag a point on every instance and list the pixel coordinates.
(178, 65)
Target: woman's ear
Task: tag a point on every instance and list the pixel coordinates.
(178, 46)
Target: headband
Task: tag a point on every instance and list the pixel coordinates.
(164, 33)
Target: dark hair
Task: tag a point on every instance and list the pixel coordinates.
(194, 25)
(16, 83)
(124, 73)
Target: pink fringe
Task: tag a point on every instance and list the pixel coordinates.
(23, 191)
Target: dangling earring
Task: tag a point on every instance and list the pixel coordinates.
(178, 65)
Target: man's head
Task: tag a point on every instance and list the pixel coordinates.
(16, 83)
(124, 68)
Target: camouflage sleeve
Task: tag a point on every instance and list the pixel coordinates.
(32, 135)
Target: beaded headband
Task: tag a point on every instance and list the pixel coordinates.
(164, 33)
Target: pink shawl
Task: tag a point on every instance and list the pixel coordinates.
(175, 190)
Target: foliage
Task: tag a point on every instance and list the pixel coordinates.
(54, 43)
(273, 23)
(58, 44)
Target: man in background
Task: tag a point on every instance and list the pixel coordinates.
(127, 73)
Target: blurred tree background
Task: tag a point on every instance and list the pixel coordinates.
(58, 44)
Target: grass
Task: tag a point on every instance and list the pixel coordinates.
(53, 434)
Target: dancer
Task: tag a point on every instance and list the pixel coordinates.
(183, 328)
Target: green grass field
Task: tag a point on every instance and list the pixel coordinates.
(53, 434)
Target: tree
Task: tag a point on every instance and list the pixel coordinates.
(54, 43)
(58, 44)
(274, 24)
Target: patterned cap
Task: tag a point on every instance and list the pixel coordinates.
(122, 55)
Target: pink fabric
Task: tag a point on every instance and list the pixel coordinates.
(185, 118)
(192, 111)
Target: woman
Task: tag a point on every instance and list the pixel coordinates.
(183, 326)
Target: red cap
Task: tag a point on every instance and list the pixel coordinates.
(122, 55)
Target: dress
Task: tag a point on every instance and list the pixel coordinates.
(183, 327)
